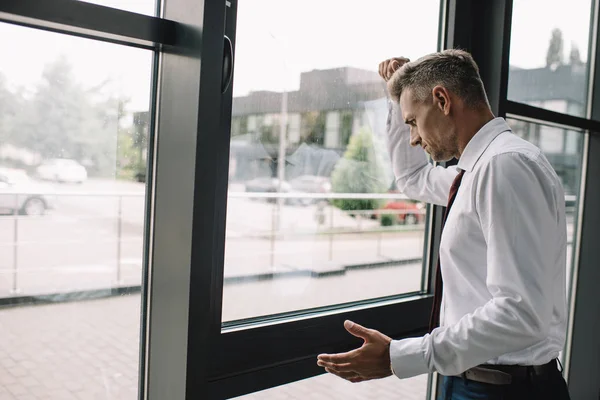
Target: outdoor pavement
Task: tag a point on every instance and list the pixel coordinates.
(88, 350)
(329, 387)
(85, 350)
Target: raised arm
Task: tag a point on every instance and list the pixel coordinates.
(415, 176)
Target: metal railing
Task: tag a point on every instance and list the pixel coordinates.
(356, 222)
(19, 218)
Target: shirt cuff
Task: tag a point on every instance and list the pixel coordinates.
(408, 357)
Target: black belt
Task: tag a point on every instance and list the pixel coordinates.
(507, 374)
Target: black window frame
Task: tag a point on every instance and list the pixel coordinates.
(259, 353)
(184, 352)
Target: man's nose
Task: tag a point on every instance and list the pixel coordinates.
(415, 140)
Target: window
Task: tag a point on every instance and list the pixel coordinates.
(555, 76)
(313, 219)
(564, 149)
(549, 59)
(220, 259)
(147, 7)
(73, 215)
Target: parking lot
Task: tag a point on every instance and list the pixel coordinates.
(93, 239)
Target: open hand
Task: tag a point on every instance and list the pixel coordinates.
(370, 361)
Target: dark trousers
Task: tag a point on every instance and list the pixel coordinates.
(551, 387)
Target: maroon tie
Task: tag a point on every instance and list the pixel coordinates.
(434, 320)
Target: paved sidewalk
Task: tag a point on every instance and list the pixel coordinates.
(89, 351)
(329, 387)
(83, 351)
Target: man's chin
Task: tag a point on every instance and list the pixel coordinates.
(441, 157)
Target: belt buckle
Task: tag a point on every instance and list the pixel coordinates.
(488, 375)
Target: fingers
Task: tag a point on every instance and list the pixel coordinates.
(344, 367)
(343, 370)
(350, 376)
(388, 67)
(358, 330)
(358, 379)
(392, 67)
(340, 358)
(383, 69)
(401, 61)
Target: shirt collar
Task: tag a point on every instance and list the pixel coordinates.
(480, 142)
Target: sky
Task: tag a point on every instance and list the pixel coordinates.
(278, 39)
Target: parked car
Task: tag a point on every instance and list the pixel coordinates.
(19, 193)
(271, 185)
(408, 212)
(311, 184)
(267, 185)
(62, 170)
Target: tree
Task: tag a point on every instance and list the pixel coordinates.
(8, 105)
(126, 160)
(574, 55)
(313, 127)
(554, 55)
(141, 126)
(64, 119)
(361, 170)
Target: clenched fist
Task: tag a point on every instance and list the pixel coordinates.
(388, 67)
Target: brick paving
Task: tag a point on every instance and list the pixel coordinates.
(88, 350)
(331, 387)
(71, 351)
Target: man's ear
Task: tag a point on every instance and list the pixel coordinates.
(441, 99)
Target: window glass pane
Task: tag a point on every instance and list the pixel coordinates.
(328, 386)
(564, 150)
(72, 126)
(147, 7)
(313, 215)
(549, 59)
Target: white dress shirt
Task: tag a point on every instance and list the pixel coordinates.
(502, 252)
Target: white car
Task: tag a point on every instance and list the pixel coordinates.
(62, 170)
(20, 194)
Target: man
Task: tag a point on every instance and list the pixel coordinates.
(499, 327)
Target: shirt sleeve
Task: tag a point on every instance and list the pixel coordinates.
(415, 176)
(516, 202)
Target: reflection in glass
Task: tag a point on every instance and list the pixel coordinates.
(72, 149)
(549, 60)
(314, 218)
(564, 150)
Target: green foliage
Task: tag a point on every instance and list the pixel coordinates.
(268, 134)
(313, 127)
(575, 55)
(361, 170)
(554, 54)
(347, 119)
(61, 118)
(388, 219)
(127, 154)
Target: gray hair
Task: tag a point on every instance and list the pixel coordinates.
(453, 69)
